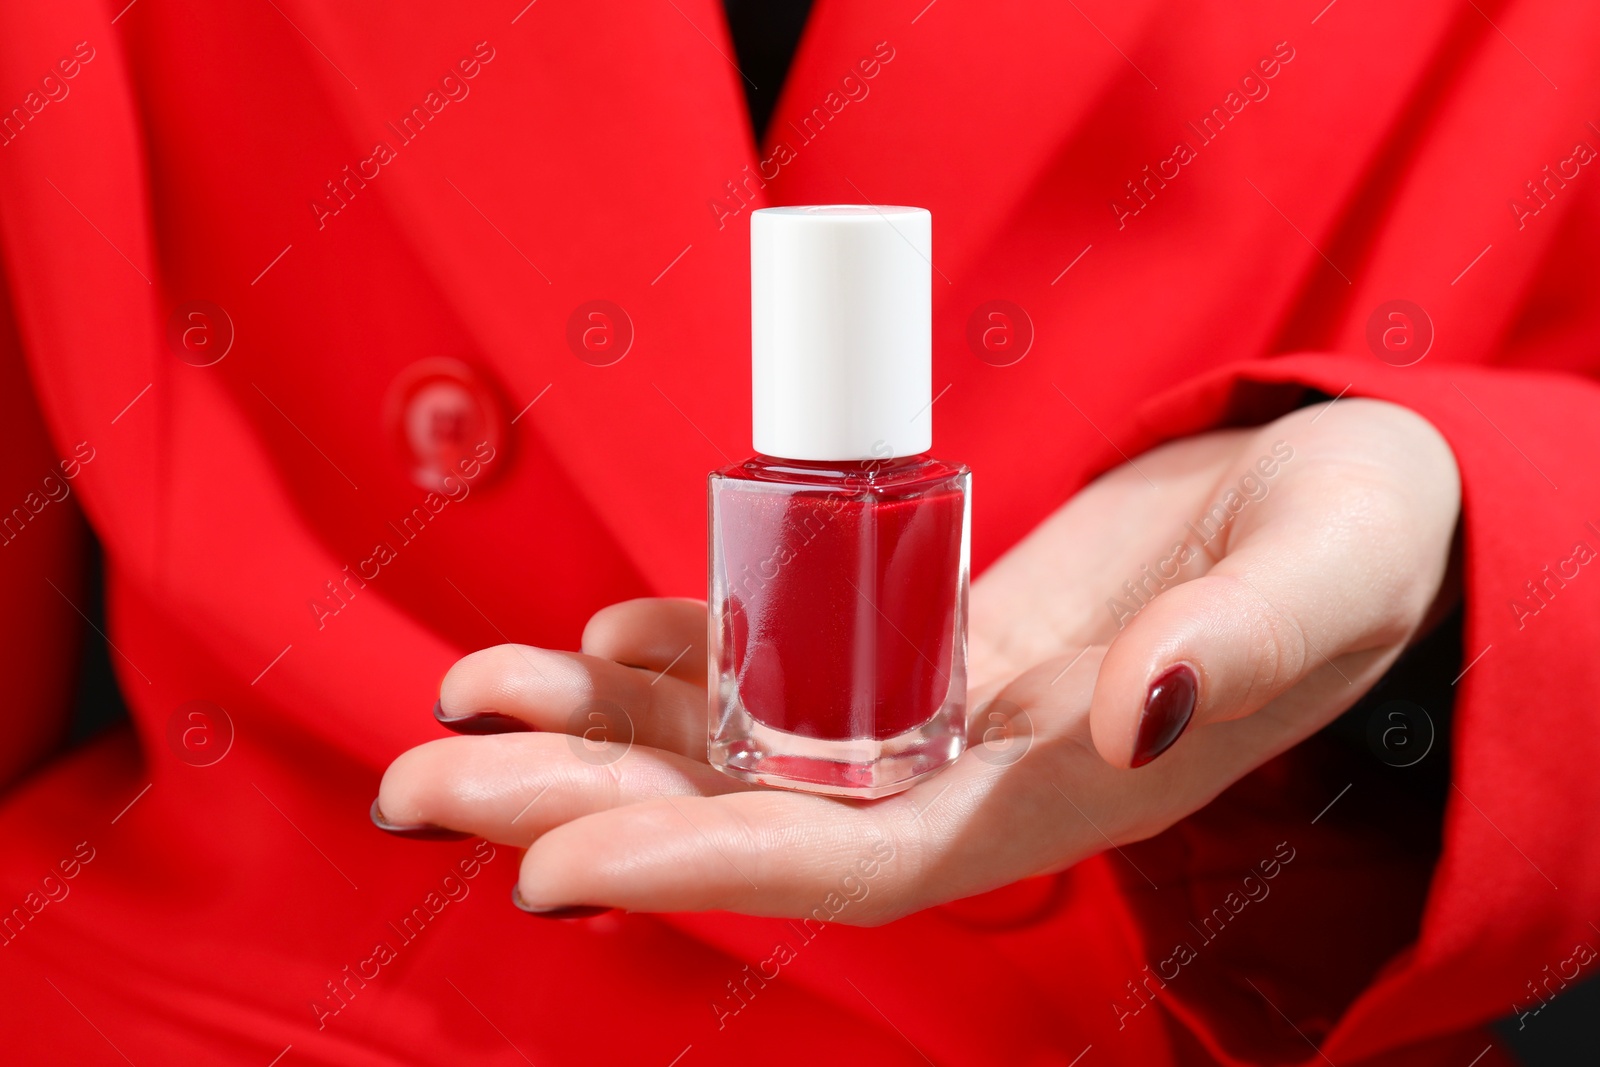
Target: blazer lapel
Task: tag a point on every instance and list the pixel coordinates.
(76, 208)
(578, 170)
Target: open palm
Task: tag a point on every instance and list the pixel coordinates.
(1284, 568)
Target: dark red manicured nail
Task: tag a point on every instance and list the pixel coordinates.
(482, 722)
(574, 911)
(1167, 710)
(419, 832)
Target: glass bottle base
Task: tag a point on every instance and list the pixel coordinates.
(864, 768)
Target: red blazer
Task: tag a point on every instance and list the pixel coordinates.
(1204, 212)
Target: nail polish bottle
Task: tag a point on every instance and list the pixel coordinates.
(838, 552)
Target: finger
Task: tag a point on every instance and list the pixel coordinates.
(989, 819)
(658, 634)
(578, 694)
(511, 788)
(1320, 582)
(763, 852)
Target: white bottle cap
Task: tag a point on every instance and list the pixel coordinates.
(841, 312)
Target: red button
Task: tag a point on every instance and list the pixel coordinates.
(448, 423)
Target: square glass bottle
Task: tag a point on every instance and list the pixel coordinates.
(838, 562)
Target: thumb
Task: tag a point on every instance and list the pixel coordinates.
(1320, 589)
(1210, 650)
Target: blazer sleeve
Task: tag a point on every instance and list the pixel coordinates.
(1505, 914)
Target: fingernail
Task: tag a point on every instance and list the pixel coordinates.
(573, 911)
(1167, 710)
(481, 722)
(419, 832)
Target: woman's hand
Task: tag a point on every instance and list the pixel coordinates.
(1211, 604)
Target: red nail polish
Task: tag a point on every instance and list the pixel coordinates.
(481, 722)
(1168, 707)
(573, 911)
(839, 551)
(418, 832)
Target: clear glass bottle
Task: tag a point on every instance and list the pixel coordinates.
(838, 578)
